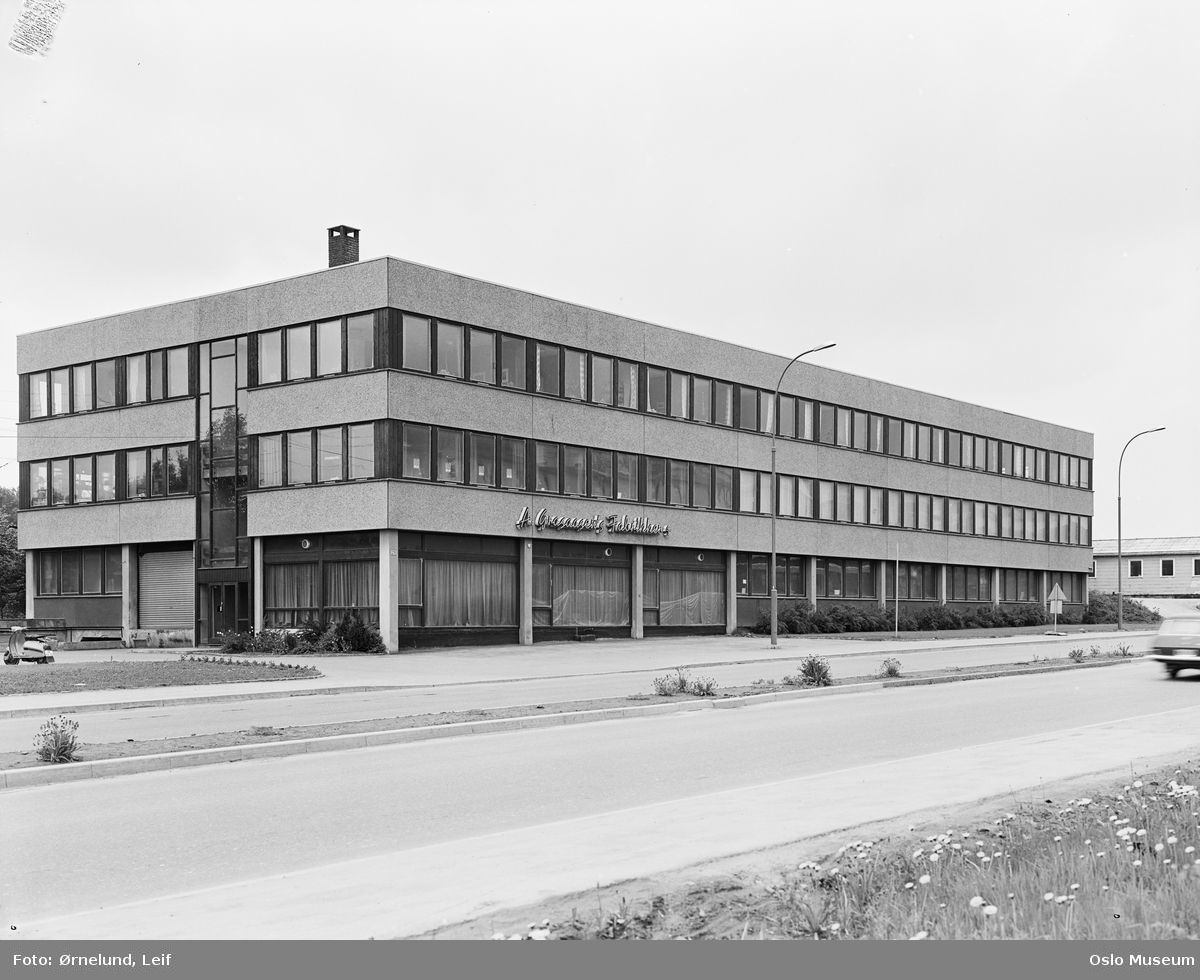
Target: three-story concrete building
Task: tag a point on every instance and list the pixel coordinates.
(464, 462)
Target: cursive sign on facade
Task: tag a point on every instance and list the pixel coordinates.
(596, 523)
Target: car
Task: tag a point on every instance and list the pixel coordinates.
(1177, 645)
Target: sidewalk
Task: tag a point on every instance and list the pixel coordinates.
(362, 688)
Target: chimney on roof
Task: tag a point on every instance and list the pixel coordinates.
(343, 245)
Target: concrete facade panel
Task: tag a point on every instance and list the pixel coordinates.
(325, 401)
(330, 292)
(152, 424)
(135, 522)
(319, 509)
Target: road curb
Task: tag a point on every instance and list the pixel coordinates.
(74, 772)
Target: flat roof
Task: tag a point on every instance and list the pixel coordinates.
(1146, 546)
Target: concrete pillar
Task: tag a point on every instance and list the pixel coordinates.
(810, 570)
(942, 571)
(129, 592)
(31, 582)
(257, 602)
(526, 620)
(731, 592)
(996, 573)
(389, 588)
(881, 568)
(637, 599)
(1045, 575)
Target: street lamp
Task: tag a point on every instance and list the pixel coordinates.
(775, 492)
(1120, 600)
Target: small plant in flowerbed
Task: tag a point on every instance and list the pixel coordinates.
(890, 668)
(56, 740)
(813, 671)
(350, 634)
(681, 682)
(1077, 654)
(303, 670)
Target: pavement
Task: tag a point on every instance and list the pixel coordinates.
(464, 679)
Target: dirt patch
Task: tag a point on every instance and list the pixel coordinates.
(108, 675)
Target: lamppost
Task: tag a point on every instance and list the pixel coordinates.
(775, 492)
(1120, 600)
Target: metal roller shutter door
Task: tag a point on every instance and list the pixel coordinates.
(166, 593)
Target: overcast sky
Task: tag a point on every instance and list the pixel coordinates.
(992, 202)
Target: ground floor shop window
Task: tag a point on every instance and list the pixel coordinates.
(688, 598)
(845, 578)
(754, 575)
(918, 580)
(470, 593)
(581, 595)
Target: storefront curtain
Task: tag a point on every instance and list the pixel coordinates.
(470, 593)
(688, 598)
(590, 596)
(290, 593)
(352, 586)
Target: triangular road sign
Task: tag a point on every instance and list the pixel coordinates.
(1057, 595)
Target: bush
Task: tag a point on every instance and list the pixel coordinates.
(890, 668)
(1102, 608)
(813, 672)
(671, 684)
(55, 740)
(349, 634)
(703, 687)
(1077, 654)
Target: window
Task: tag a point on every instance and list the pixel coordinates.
(844, 417)
(787, 416)
(449, 350)
(844, 578)
(59, 488)
(106, 384)
(895, 437)
(574, 470)
(545, 467)
(747, 485)
(805, 420)
(135, 379)
(299, 457)
(81, 381)
(627, 476)
(937, 445)
(270, 354)
(158, 471)
(39, 395)
(701, 485)
(876, 506)
(923, 450)
(81, 467)
(135, 474)
(546, 368)
(627, 384)
(656, 480)
(860, 430)
(680, 386)
(722, 403)
(512, 463)
(1168, 567)
(826, 496)
(875, 431)
(360, 444)
(575, 374)
(360, 342)
(329, 347)
(1196, 566)
(804, 497)
(600, 469)
(299, 352)
(60, 391)
(602, 380)
(270, 461)
(106, 477)
(416, 353)
(747, 408)
(329, 455)
(483, 356)
(450, 456)
(766, 412)
(512, 363)
(680, 482)
(723, 488)
(787, 496)
(483, 460)
(656, 391)
(910, 440)
(702, 390)
(1135, 568)
(826, 424)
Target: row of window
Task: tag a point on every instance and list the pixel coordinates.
(79, 571)
(851, 578)
(343, 452)
(1166, 567)
(483, 459)
(132, 474)
(126, 380)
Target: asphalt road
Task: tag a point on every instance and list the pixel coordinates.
(393, 840)
(139, 724)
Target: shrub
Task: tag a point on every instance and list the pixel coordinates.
(813, 672)
(1102, 608)
(350, 633)
(671, 684)
(702, 687)
(55, 740)
(1077, 654)
(357, 636)
(890, 668)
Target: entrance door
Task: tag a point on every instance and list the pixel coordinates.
(222, 609)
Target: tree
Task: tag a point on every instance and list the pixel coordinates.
(12, 561)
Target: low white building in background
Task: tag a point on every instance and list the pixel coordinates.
(1150, 566)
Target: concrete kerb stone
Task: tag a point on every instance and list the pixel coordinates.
(46, 775)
